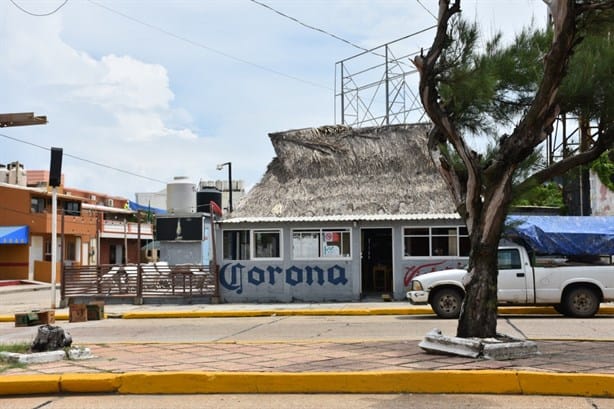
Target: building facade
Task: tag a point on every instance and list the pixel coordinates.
(92, 228)
(341, 214)
(31, 207)
(316, 259)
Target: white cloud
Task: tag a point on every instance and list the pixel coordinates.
(132, 97)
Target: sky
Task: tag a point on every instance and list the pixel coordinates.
(137, 92)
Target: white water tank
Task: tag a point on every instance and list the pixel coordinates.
(181, 195)
(17, 174)
(4, 174)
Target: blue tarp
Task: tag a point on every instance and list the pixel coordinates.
(141, 208)
(14, 234)
(564, 235)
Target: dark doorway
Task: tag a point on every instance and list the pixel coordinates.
(376, 246)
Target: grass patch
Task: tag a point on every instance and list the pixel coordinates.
(17, 347)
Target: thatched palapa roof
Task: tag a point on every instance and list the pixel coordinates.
(339, 171)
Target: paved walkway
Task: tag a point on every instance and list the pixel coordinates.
(581, 368)
(329, 356)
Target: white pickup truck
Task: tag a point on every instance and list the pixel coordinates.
(573, 289)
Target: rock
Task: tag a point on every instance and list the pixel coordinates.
(500, 348)
(50, 338)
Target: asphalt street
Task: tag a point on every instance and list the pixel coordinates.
(313, 401)
(306, 348)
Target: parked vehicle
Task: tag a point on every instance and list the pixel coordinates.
(574, 289)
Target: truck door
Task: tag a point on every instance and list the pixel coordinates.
(512, 281)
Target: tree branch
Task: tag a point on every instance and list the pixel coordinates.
(604, 142)
(445, 130)
(534, 127)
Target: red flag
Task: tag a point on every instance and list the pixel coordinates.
(215, 208)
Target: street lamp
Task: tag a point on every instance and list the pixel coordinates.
(220, 167)
(21, 119)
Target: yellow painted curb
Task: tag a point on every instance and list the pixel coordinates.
(488, 381)
(29, 384)
(472, 381)
(413, 310)
(273, 312)
(577, 384)
(90, 383)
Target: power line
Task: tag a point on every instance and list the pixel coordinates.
(39, 15)
(427, 10)
(102, 165)
(206, 47)
(307, 25)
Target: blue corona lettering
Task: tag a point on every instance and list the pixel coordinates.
(318, 271)
(231, 276)
(236, 273)
(272, 271)
(336, 275)
(294, 276)
(255, 276)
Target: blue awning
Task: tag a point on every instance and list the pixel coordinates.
(14, 234)
(564, 235)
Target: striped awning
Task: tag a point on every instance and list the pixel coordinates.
(14, 234)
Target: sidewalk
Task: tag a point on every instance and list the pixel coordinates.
(574, 368)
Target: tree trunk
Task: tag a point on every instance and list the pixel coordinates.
(478, 316)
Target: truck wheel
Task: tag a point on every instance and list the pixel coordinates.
(446, 302)
(581, 302)
(560, 308)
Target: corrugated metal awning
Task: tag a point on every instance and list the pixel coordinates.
(344, 218)
(14, 234)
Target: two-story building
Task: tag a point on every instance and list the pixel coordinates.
(28, 210)
(93, 228)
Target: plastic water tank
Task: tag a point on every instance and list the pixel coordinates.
(17, 174)
(4, 174)
(207, 195)
(181, 195)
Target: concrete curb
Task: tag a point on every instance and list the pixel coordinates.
(473, 381)
(414, 310)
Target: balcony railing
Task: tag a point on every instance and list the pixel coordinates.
(117, 229)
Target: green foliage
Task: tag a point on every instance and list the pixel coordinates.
(588, 89)
(549, 194)
(483, 88)
(604, 168)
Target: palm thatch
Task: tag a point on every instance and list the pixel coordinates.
(337, 170)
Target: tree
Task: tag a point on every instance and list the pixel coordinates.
(466, 92)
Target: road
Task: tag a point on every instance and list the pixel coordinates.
(283, 328)
(296, 401)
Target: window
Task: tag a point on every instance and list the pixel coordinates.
(236, 245)
(508, 259)
(321, 243)
(416, 242)
(37, 205)
(306, 244)
(47, 249)
(464, 245)
(72, 208)
(71, 250)
(267, 243)
(436, 241)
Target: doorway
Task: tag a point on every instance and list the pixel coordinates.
(376, 261)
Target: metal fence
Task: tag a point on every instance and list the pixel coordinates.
(155, 280)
